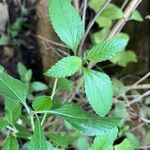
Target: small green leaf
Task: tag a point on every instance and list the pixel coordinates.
(147, 17)
(65, 67)
(136, 16)
(63, 139)
(42, 103)
(112, 12)
(78, 119)
(126, 145)
(4, 40)
(124, 58)
(13, 110)
(22, 70)
(107, 49)
(100, 36)
(96, 4)
(10, 143)
(38, 86)
(98, 90)
(38, 141)
(104, 22)
(64, 84)
(12, 88)
(106, 141)
(82, 143)
(3, 123)
(1, 69)
(68, 26)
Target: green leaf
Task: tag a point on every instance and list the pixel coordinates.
(84, 122)
(65, 67)
(42, 103)
(63, 139)
(100, 36)
(64, 84)
(147, 17)
(3, 123)
(107, 49)
(106, 141)
(98, 90)
(38, 141)
(38, 86)
(13, 110)
(68, 26)
(104, 22)
(10, 143)
(126, 145)
(4, 40)
(96, 4)
(82, 143)
(136, 16)
(112, 12)
(124, 58)
(1, 69)
(12, 88)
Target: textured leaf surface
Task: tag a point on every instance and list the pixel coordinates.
(12, 88)
(107, 49)
(3, 123)
(66, 22)
(13, 110)
(38, 141)
(65, 67)
(10, 143)
(42, 103)
(98, 90)
(105, 142)
(1, 69)
(84, 122)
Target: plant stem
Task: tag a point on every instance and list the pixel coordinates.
(91, 25)
(30, 114)
(52, 97)
(12, 129)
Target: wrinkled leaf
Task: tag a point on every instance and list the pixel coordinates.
(107, 49)
(98, 90)
(68, 26)
(84, 122)
(65, 67)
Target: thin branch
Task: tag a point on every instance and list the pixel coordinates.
(91, 25)
(138, 99)
(50, 41)
(134, 85)
(127, 13)
(124, 4)
(84, 11)
(138, 87)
